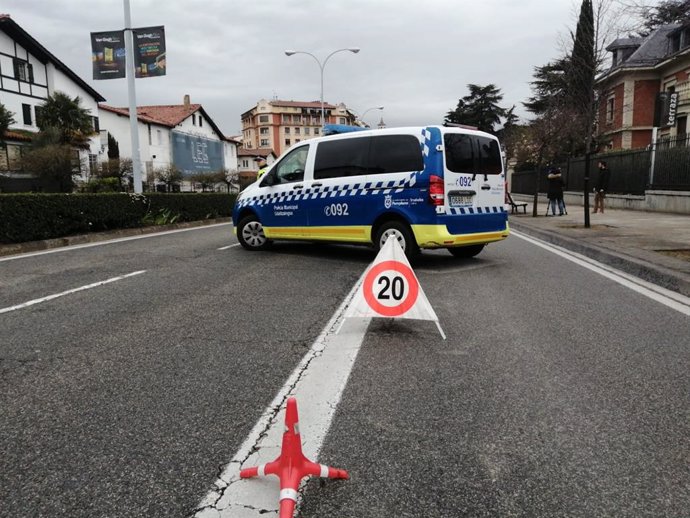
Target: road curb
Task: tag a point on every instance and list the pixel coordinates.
(645, 270)
(46, 244)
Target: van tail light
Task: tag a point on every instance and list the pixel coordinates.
(436, 190)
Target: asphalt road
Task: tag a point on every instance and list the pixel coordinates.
(558, 392)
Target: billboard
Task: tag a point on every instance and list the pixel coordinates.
(192, 154)
(149, 51)
(108, 54)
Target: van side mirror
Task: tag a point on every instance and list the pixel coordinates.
(269, 179)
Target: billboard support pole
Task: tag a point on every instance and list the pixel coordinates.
(133, 122)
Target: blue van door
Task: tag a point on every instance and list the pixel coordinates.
(337, 193)
(280, 198)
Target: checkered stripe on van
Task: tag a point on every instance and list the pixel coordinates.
(427, 140)
(312, 193)
(475, 210)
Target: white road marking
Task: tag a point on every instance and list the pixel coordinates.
(62, 294)
(108, 242)
(317, 383)
(667, 297)
(229, 246)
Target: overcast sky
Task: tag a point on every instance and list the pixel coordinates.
(416, 58)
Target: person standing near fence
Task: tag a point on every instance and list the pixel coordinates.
(602, 186)
(555, 192)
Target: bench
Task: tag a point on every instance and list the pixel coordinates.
(515, 207)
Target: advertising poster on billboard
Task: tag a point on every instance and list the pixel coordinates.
(108, 54)
(149, 51)
(192, 154)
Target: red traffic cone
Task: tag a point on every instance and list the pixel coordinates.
(292, 466)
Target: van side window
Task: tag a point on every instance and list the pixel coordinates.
(395, 154)
(291, 168)
(344, 157)
(472, 154)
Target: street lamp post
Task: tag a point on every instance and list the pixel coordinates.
(361, 117)
(354, 50)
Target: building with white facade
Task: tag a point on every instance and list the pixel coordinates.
(182, 135)
(29, 73)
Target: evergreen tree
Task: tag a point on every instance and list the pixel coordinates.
(582, 66)
(113, 147)
(6, 120)
(550, 86)
(480, 108)
(670, 11)
(68, 117)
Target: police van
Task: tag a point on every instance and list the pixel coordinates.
(429, 187)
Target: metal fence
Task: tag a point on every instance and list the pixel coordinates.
(630, 170)
(672, 164)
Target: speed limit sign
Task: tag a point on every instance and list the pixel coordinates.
(390, 288)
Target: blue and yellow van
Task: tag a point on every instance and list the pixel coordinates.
(429, 187)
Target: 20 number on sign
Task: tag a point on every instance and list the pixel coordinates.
(390, 288)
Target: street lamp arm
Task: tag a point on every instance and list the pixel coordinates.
(354, 50)
(292, 52)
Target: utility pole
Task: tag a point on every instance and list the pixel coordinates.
(133, 120)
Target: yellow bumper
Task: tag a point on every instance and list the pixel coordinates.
(437, 236)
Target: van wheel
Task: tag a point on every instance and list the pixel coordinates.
(250, 234)
(402, 233)
(466, 251)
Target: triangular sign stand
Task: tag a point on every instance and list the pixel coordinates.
(390, 289)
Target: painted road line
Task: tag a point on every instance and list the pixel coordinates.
(229, 246)
(317, 383)
(667, 297)
(108, 242)
(68, 292)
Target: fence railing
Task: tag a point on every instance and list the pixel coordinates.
(630, 170)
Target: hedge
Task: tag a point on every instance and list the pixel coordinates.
(30, 217)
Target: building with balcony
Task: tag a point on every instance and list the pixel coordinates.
(277, 125)
(647, 86)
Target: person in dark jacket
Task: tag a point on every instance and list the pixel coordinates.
(555, 192)
(602, 187)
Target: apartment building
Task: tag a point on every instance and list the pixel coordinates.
(277, 125)
(647, 86)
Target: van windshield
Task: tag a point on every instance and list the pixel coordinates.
(472, 154)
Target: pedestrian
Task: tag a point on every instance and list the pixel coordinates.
(555, 192)
(602, 186)
(263, 167)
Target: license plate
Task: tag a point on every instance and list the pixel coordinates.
(457, 200)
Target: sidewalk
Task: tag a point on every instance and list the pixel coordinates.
(654, 246)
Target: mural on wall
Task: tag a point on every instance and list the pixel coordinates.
(192, 154)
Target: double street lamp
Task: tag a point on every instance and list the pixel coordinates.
(322, 65)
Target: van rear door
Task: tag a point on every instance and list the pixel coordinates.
(473, 174)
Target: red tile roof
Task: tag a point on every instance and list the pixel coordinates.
(166, 115)
(261, 151)
(21, 135)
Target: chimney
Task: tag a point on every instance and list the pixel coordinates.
(186, 101)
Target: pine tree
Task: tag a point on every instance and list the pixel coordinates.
(480, 108)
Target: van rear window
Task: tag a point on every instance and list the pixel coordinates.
(472, 154)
